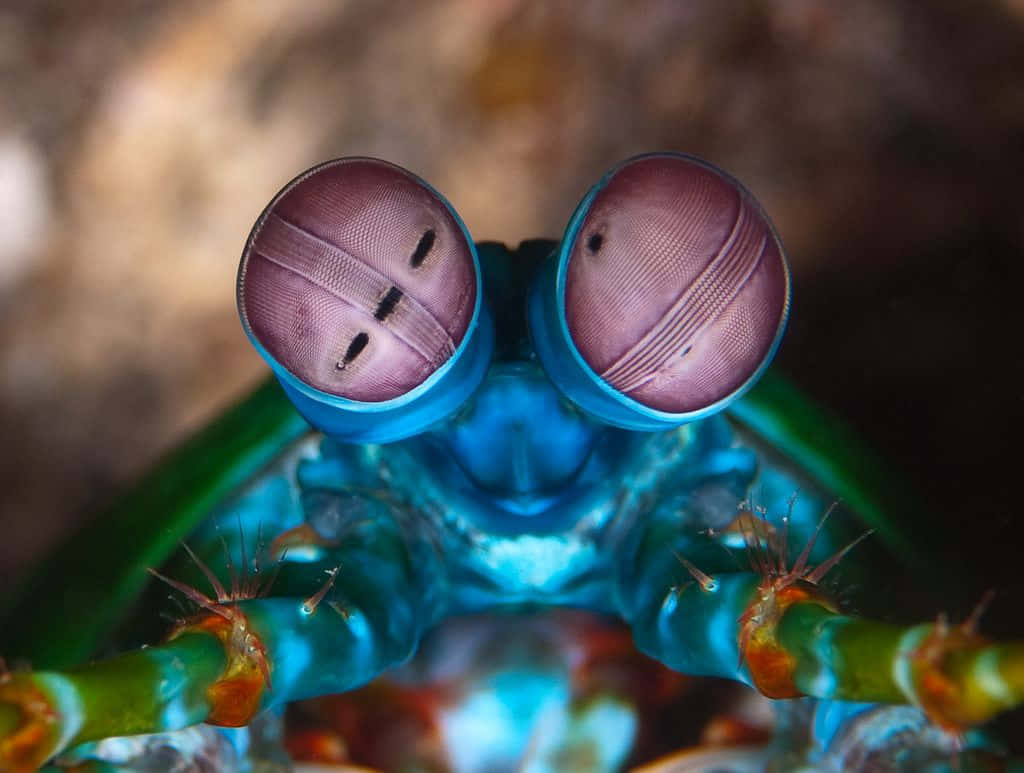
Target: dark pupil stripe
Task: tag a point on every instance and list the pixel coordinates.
(387, 304)
(358, 344)
(426, 242)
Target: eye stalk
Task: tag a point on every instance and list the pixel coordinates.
(667, 297)
(361, 288)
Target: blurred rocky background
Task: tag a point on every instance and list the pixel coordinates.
(139, 139)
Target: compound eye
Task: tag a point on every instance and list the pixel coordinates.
(676, 289)
(358, 280)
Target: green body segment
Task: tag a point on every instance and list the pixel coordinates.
(89, 583)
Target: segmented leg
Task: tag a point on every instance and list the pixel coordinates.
(319, 633)
(777, 630)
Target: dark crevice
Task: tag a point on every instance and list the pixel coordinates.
(354, 349)
(425, 245)
(387, 304)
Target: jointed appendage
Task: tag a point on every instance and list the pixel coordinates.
(233, 659)
(779, 631)
(353, 595)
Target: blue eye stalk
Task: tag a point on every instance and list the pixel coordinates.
(664, 302)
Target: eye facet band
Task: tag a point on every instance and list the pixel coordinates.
(667, 297)
(361, 287)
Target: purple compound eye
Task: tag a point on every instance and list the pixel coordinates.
(676, 289)
(358, 280)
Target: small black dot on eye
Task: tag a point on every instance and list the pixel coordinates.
(424, 246)
(594, 242)
(358, 344)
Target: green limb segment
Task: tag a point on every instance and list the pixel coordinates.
(785, 637)
(336, 625)
(44, 712)
(215, 669)
(954, 675)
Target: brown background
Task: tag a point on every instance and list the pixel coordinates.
(139, 140)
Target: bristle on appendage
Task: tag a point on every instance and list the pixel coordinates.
(235, 696)
(245, 583)
(707, 583)
(215, 583)
(944, 671)
(194, 595)
(768, 550)
(309, 605)
(781, 586)
(974, 618)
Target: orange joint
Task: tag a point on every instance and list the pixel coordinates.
(236, 695)
(943, 692)
(771, 666)
(28, 741)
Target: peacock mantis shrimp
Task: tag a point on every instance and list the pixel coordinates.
(518, 458)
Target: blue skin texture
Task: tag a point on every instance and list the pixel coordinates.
(513, 500)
